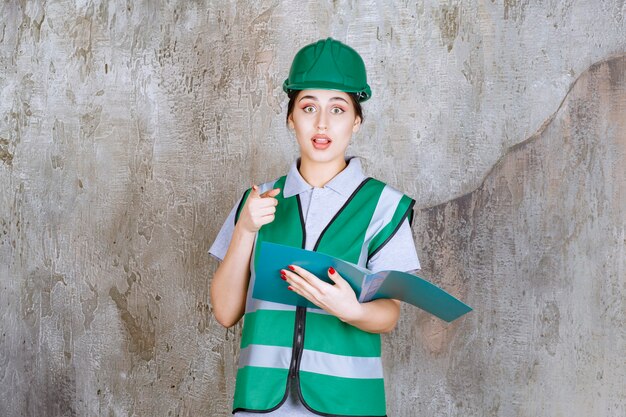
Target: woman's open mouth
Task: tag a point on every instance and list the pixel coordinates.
(321, 141)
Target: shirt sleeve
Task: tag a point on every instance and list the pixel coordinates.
(399, 254)
(223, 238)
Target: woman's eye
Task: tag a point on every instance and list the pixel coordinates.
(336, 110)
(309, 109)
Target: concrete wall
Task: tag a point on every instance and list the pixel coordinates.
(128, 130)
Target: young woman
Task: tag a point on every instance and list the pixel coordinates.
(315, 361)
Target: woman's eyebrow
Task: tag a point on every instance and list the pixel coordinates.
(315, 98)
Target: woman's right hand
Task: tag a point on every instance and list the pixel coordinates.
(258, 210)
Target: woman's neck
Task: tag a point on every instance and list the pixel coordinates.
(319, 174)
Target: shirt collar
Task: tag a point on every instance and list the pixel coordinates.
(343, 183)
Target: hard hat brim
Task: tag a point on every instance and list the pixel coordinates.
(363, 92)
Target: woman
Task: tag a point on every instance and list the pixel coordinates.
(309, 361)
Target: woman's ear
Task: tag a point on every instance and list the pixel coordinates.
(357, 124)
(290, 122)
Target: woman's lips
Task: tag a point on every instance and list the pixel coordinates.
(321, 141)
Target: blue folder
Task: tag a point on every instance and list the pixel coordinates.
(366, 284)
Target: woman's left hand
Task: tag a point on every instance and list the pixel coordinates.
(338, 300)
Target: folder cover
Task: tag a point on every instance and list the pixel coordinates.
(366, 284)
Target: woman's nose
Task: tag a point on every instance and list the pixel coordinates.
(321, 121)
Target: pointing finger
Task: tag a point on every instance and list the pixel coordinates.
(265, 202)
(271, 193)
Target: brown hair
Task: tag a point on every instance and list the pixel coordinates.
(292, 94)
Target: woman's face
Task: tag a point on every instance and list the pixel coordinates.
(323, 121)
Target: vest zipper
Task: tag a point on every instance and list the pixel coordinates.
(298, 337)
(298, 347)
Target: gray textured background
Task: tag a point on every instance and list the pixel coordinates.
(128, 130)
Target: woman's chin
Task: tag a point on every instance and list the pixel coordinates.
(322, 157)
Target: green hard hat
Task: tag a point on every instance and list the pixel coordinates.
(328, 65)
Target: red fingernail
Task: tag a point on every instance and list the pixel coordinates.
(331, 270)
(292, 268)
(290, 289)
(284, 277)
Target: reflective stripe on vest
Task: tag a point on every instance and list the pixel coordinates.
(337, 366)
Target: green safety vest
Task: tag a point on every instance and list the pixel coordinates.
(337, 366)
